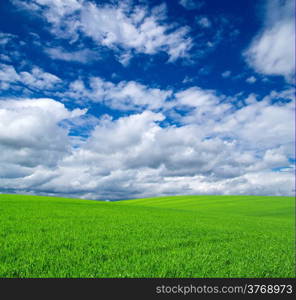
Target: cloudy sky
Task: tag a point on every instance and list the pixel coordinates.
(129, 99)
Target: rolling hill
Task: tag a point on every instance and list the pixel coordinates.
(179, 236)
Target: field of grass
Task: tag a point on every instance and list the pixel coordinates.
(181, 236)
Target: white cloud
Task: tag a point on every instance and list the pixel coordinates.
(7, 75)
(115, 26)
(134, 157)
(204, 22)
(230, 152)
(261, 124)
(82, 56)
(31, 140)
(251, 79)
(39, 79)
(124, 58)
(5, 38)
(55, 13)
(137, 30)
(212, 147)
(36, 78)
(272, 51)
(187, 79)
(206, 106)
(5, 58)
(192, 4)
(196, 97)
(226, 74)
(125, 95)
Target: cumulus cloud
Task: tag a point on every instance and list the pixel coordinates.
(118, 27)
(262, 125)
(135, 156)
(36, 78)
(31, 140)
(160, 140)
(125, 95)
(206, 106)
(231, 152)
(272, 52)
(138, 30)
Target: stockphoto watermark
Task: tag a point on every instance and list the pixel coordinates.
(209, 289)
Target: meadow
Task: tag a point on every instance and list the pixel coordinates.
(180, 236)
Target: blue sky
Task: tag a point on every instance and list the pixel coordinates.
(114, 100)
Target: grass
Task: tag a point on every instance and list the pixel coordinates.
(181, 236)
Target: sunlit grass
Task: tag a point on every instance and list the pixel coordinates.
(182, 236)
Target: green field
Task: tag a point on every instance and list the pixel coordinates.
(181, 236)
